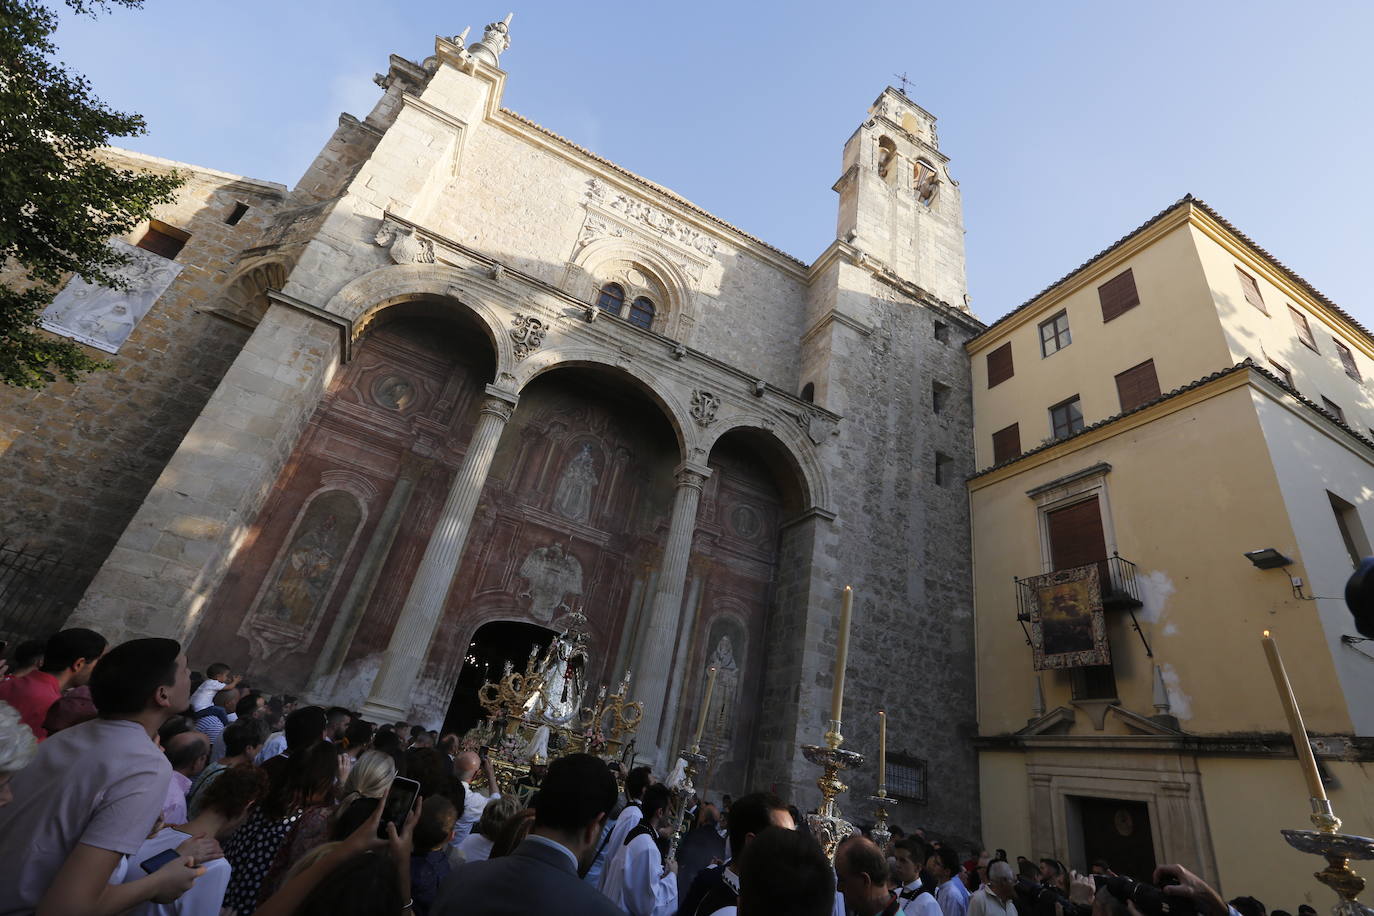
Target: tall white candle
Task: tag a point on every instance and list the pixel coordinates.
(842, 654)
(882, 752)
(1295, 724)
(705, 706)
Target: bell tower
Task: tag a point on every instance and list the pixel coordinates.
(898, 203)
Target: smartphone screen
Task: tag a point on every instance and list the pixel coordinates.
(153, 863)
(399, 800)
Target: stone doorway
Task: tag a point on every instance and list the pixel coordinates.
(493, 645)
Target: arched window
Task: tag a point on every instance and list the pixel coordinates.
(926, 182)
(808, 392)
(887, 153)
(642, 313)
(611, 299)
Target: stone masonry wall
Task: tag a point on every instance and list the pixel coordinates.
(79, 458)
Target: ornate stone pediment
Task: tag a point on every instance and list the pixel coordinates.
(611, 214)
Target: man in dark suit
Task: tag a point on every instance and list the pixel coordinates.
(540, 876)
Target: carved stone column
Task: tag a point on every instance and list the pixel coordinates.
(405, 654)
(656, 656)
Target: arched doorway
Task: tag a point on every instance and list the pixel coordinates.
(493, 646)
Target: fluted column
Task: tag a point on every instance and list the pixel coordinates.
(660, 636)
(405, 654)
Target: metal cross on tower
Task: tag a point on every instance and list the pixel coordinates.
(902, 78)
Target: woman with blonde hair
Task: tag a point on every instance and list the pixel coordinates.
(17, 747)
(370, 777)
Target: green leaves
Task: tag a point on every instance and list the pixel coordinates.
(59, 203)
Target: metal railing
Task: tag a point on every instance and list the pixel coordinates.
(1116, 581)
(37, 589)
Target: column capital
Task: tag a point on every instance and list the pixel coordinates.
(499, 402)
(691, 474)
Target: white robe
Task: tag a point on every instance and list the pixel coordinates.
(630, 815)
(637, 882)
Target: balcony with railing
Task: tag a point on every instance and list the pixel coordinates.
(1117, 584)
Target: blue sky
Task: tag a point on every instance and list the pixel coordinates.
(1068, 123)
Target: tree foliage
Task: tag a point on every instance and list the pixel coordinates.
(59, 202)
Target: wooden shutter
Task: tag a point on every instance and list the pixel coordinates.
(999, 365)
(1006, 443)
(1347, 360)
(1333, 408)
(1252, 290)
(1118, 295)
(1076, 537)
(1137, 385)
(1283, 372)
(1303, 328)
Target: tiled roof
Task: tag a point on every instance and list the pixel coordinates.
(1225, 223)
(1246, 363)
(658, 188)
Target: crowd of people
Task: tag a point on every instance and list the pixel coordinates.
(128, 784)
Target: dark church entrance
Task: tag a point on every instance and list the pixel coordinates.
(1118, 831)
(492, 646)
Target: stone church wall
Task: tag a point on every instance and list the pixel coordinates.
(78, 458)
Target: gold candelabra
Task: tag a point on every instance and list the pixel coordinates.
(1338, 849)
(828, 827)
(625, 715)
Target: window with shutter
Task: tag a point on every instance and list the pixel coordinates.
(1333, 408)
(1076, 537)
(1283, 372)
(1252, 291)
(611, 298)
(999, 365)
(1347, 360)
(1066, 418)
(1006, 443)
(1137, 385)
(1303, 328)
(1118, 295)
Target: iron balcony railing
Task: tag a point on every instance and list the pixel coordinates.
(1117, 582)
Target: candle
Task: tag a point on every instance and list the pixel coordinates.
(882, 752)
(842, 654)
(705, 705)
(1290, 708)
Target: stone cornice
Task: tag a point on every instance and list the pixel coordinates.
(790, 403)
(344, 326)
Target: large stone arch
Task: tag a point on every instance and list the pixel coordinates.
(245, 296)
(792, 449)
(675, 411)
(367, 296)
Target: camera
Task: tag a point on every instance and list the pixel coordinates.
(1150, 900)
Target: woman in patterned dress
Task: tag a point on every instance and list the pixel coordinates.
(298, 807)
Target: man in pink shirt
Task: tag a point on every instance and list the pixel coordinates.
(68, 660)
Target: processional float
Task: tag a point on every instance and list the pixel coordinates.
(541, 713)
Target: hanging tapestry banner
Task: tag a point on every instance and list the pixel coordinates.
(1068, 628)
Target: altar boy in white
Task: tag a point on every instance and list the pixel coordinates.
(638, 879)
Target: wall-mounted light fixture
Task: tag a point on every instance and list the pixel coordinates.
(1267, 558)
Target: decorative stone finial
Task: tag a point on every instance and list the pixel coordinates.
(495, 39)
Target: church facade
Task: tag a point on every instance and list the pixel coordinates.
(472, 375)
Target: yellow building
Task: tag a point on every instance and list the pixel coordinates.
(1180, 400)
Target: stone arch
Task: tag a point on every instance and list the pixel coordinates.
(245, 297)
(671, 279)
(674, 410)
(792, 458)
(887, 159)
(444, 288)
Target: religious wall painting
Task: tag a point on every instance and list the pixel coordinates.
(393, 392)
(103, 317)
(304, 574)
(573, 497)
(1068, 627)
(552, 575)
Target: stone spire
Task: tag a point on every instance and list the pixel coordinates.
(495, 40)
